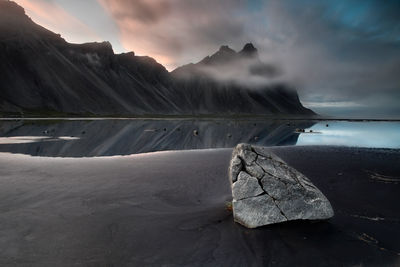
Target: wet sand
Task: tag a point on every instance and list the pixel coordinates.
(169, 209)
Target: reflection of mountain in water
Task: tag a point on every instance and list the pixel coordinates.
(123, 137)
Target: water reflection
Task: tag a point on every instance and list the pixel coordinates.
(87, 138)
(32, 139)
(352, 133)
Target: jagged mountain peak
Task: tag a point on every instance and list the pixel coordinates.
(226, 49)
(249, 50)
(7, 6)
(222, 56)
(13, 16)
(104, 48)
(226, 54)
(249, 47)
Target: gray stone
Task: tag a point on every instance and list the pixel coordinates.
(256, 211)
(246, 186)
(244, 176)
(268, 191)
(255, 170)
(266, 153)
(235, 168)
(245, 152)
(276, 168)
(275, 187)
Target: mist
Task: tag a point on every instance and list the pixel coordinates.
(332, 53)
(341, 55)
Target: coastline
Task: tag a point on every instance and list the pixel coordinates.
(169, 208)
(189, 117)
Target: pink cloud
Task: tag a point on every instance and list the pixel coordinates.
(55, 18)
(170, 30)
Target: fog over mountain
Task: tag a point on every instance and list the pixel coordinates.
(41, 73)
(228, 66)
(342, 56)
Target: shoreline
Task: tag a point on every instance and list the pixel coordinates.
(208, 150)
(236, 118)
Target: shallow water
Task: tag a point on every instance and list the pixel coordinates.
(371, 134)
(88, 138)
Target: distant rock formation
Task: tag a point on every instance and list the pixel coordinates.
(43, 74)
(266, 190)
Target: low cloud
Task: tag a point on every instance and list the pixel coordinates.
(235, 68)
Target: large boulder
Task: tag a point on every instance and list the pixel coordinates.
(266, 190)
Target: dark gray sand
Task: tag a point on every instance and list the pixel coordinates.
(169, 209)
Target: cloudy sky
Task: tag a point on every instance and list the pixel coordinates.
(343, 56)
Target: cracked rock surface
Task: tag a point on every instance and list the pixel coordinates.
(266, 190)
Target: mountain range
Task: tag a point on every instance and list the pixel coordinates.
(41, 73)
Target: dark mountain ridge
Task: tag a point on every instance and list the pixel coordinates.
(41, 73)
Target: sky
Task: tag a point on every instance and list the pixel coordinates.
(342, 56)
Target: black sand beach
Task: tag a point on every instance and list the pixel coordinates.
(169, 209)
